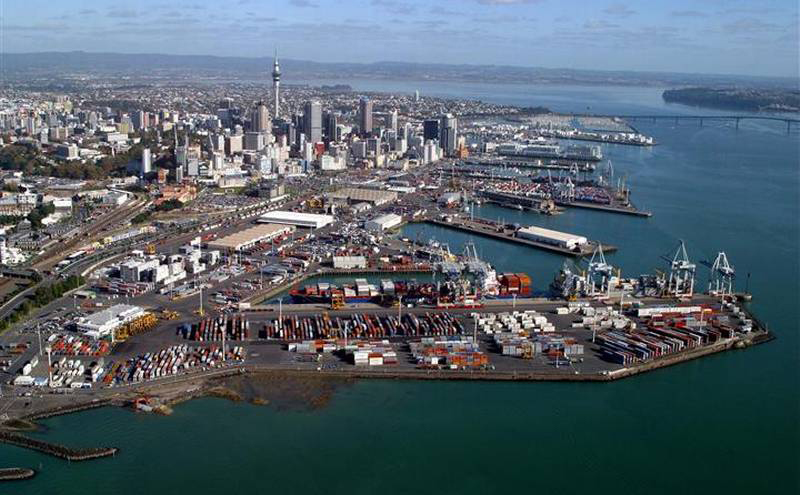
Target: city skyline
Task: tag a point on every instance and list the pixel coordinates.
(711, 37)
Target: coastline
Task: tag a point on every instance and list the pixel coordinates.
(175, 392)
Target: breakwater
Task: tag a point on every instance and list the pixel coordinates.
(16, 474)
(56, 450)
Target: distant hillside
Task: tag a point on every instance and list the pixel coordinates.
(752, 100)
(133, 65)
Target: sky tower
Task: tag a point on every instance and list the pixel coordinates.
(276, 81)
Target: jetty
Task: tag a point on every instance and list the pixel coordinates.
(499, 231)
(56, 450)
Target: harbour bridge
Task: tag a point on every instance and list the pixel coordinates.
(700, 119)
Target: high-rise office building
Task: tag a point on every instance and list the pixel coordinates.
(430, 129)
(259, 121)
(254, 141)
(329, 126)
(365, 116)
(147, 162)
(140, 120)
(448, 134)
(391, 121)
(312, 121)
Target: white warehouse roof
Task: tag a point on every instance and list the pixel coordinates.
(384, 222)
(104, 322)
(539, 232)
(299, 219)
(248, 237)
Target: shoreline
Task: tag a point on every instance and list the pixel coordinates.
(209, 385)
(311, 389)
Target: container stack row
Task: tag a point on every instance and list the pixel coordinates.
(211, 329)
(73, 345)
(171, 361)
(448, 353)
(527, 322)
(361, 327)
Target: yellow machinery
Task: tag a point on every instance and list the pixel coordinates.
(169, 315)
(337, 301)
(150, 249)
(144, 323)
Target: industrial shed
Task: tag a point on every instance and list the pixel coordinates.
(249, 237)
(296, 218)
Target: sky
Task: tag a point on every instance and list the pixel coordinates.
(747, 37)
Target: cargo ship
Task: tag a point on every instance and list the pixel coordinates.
(513, 285)
(551, 151)
(361, 291)
(389, 292)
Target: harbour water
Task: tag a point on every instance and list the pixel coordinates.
(722, 424)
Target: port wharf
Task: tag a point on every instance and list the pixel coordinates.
(759, 336)
(625, 210)
(534, 204)
(537, 163)
(492, 230)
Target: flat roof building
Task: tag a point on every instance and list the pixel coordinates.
(102, 323)
(249, 237)
(538, 234)
(299, 219)
(349, 262)
(383, 222)
(355, 195)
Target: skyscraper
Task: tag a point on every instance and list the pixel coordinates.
(259, 121)
(448, 134)
(391, 121)
(329, 125)
(365, 116)
(312, 121)
(430, 129)
(147, 162)
(276, 82)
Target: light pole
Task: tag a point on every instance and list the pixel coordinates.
(280, 317)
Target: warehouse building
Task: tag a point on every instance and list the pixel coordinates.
(349, 262)
(250, 237)
(547, 236)
(383, 222)
(354, 195)
(298, 219)
(102, 323)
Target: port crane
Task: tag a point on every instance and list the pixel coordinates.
(721, 277)
(569, 283)
(598, 276)
(681, 274)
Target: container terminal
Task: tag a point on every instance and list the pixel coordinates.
(245, 246)
(593, 325)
